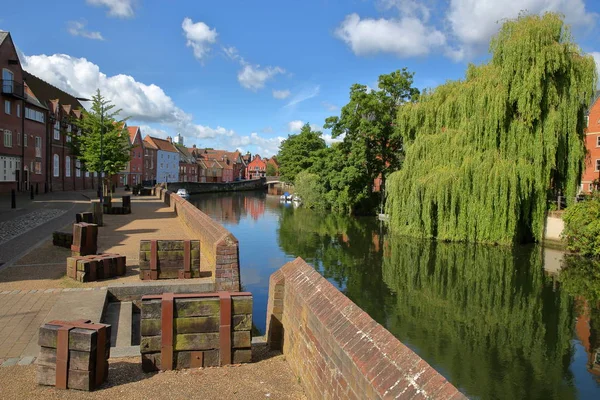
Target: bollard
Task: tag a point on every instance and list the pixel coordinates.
(31, 192)
(13, 199)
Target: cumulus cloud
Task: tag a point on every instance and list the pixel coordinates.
(406, 7)
(407, 36)
(145, 104)
(116, 8)
(474, 22)
(77, 28)
(254, 77)
(295, 126)
(199, 37)
(330, 140)
(281, 94)
(329, 107)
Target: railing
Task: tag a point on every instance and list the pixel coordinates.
(14, 88)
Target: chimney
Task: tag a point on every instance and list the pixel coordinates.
(169, 139)
(194, 146)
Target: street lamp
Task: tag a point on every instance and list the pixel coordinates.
(101, 172)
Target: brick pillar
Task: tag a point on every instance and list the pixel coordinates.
(98, 214)
(275, 330)
(127, 204)
(227, 267)
(85, 239)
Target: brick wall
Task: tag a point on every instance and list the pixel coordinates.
(336, 350)
(218, 247)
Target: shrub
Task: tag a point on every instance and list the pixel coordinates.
(582, 227)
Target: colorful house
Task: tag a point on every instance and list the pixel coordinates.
(590, 179)
(167, 159)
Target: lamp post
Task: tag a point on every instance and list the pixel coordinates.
(101, 172)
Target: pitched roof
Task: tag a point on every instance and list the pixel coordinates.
(149, 144)
(31, 99)
(163, 144)
(133, 130)
(46, 92)
(3, 35)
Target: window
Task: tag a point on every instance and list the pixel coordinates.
(67, 166)
(56, 165)
(38, 167)
(598, 141)
(19, 139)
(78, 168)
(597, 164)
(587, 121)
(7, 106)
(8, 167)
(24, 140)
(7, 81)
(68, 135)
(87, 174)
(8, 139)
(34, 115)
(57, 130)
(38, 146)
(19, 110)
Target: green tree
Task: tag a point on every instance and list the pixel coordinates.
(582, 227)
(483, 153)
(296, 153)
(310, 190)
(271, 170)
(102, 144)
(367, 122)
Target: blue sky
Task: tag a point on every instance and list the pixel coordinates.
(240, 74)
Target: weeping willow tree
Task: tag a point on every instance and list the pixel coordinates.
(483, 153)
(487, 317)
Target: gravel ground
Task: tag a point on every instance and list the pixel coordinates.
(268, 378)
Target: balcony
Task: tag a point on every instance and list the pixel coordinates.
(13, 88)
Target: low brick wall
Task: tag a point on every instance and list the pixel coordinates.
(211, 187)
(336, 349)
(219, 248)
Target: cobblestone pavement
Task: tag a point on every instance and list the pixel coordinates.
(12, 228)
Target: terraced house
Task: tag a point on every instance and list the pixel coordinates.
(591, 176)
(167, 159)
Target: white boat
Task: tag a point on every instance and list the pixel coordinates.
(183, 193)
(296, 199)
(285, 197)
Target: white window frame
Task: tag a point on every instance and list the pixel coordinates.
(7, 107)
(8, 138)
(6, 77)
(25, 140)
(38, 146)
(67, 166)
(57, 130)
(68, 134)
(78, 168)
(38, 171)
(597, 167)
(56, 165)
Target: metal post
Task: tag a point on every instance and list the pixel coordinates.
(31, 192)
(13, 199)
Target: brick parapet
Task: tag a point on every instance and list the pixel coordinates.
(336, 349)
(219, 248)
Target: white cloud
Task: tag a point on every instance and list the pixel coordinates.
(406, 7)
(145, 104)
(116, 8)
(295, 126)
(77, 28)
(254, 78)
(474, 22)
(268, 129)
(199, 37)
(281, 94)
(304, 95)
(330, 140)
(404, 37)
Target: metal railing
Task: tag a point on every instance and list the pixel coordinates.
(14, 88)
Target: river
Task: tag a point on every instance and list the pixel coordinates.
(496, 322)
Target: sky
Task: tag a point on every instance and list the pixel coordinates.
(246, 74)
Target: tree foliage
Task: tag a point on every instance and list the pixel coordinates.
(582, 227)
(100, 128)
(482, 153)
(271, 170)
(367, 122)
(296, 153)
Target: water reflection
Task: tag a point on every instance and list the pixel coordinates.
(489, 318)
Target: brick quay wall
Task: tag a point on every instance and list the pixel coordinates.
(336, 349)
(212, 187)
(219, 249)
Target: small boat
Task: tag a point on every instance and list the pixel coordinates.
(183, 193)
(296, 199)
(285, 197)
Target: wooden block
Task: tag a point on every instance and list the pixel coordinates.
(242, 322)
(152, 327)
(183, 308)
(242, 356)
(194, 341)
(80, 380)
(78, 360)
(79, 339)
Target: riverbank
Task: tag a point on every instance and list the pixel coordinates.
(218, 187)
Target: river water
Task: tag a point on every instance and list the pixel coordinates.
(499, 323)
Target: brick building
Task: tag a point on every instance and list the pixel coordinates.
(257, 168)
(135, 169)
(150, 154)
(591, 175)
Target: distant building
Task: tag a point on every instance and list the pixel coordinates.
(591, 174)
(136, 164)
(167, 161)
(150, 158)
(257, 168)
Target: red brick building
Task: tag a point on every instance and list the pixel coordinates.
(257, 168)
(150, 155)
(64, 171)
(136, 164)
(591, 175)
